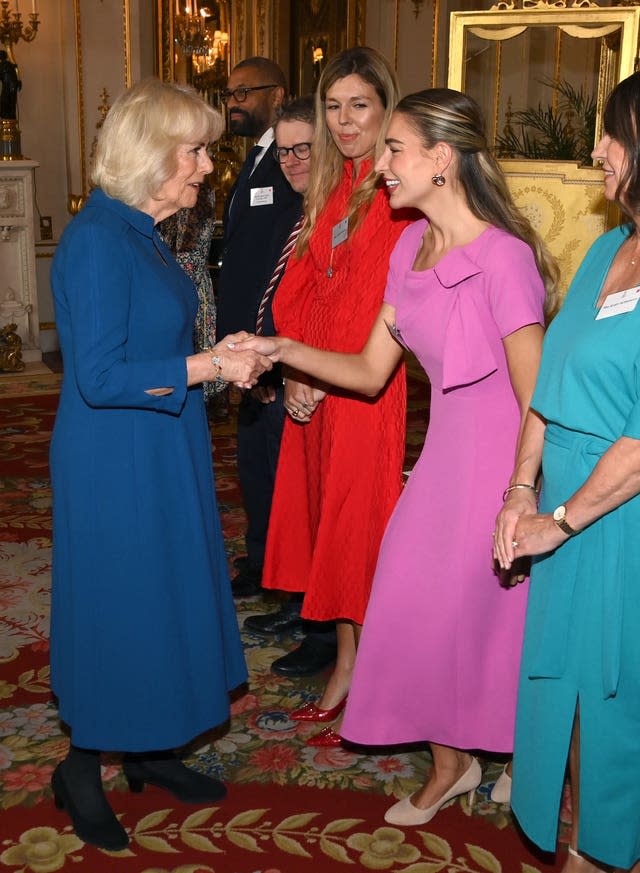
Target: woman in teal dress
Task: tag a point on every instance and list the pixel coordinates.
(579, 696)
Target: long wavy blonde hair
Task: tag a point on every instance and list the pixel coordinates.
(326, 160)
(445, 115)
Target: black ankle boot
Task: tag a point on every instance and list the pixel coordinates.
(165, 770)
(77, 788)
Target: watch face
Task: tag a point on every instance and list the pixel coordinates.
(559, 513)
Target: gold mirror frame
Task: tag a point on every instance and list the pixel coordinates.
(164, 40)
(270, 32)
(582, 20)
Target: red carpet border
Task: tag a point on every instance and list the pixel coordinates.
(262, 829)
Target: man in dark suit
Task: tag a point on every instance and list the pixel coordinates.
(260, 211)
(294, 132)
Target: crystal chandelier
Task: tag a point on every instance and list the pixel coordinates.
(196, 34)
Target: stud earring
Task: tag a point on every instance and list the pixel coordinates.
(438, 180)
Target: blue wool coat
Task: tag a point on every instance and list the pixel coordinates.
(144, 636)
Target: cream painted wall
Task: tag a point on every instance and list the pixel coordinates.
(42, 113)
(77, 53)
(392, 27)
(60, 101)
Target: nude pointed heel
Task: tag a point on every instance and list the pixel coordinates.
(405, 814)
(501, 791)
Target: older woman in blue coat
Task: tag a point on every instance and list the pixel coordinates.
(144, 638)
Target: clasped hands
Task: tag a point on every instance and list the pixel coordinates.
(241, 364)
(523, 531)
(301, 398)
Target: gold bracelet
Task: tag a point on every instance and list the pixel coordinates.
(511, 488)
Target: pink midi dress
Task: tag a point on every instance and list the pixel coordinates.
(440, 648)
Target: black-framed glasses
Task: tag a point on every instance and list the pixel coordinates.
(301, 150)
(240, 94)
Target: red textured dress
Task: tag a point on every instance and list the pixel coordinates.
(339, 476)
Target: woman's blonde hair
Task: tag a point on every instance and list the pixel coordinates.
(445, 115)
(136, 149)
(326, 160)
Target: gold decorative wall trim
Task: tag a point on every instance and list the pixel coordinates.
(126, 36)
(80, 94)
(261, 16)
(238, 16)
(435, 43)
(396, 32)
(164, 41)
(356, 22)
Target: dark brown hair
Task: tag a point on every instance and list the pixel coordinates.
(622, 122)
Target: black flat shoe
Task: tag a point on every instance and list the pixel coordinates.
(170, 773)
(309, 658)
(248, 581)
(100, 827)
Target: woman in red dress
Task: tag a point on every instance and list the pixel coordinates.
(339, 473)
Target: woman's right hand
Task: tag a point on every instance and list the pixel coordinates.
(237, 365)
(264, 345)
(520, 502)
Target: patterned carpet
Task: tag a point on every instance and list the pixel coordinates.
(276, 819)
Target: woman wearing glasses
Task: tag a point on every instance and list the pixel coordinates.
(339, 473)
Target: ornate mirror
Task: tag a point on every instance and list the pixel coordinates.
(541, 73)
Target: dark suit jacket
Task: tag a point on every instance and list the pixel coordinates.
(252, 246)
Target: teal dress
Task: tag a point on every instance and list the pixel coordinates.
(582, 636)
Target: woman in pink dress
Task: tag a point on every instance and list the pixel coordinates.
(440, 647)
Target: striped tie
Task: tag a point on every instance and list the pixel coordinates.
(277, 273)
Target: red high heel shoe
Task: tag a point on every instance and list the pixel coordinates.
(311, 712)
(326, 739)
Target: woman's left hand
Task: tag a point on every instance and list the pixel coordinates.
(537, 535)
(518, 502)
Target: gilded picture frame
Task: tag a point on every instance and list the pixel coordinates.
(611, 59)
(257, 27)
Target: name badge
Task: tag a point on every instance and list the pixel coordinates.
(621, 301)
(262, 196)
(339, 232)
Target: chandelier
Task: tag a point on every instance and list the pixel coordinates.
(199, 34)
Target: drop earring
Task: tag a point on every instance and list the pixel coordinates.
(438, 180)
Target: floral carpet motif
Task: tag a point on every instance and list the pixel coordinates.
(275, 820)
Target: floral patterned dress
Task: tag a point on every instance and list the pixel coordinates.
(188, 233)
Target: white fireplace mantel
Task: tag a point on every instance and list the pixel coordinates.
(18, 290)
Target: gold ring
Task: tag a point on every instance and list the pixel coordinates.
(295, 412)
